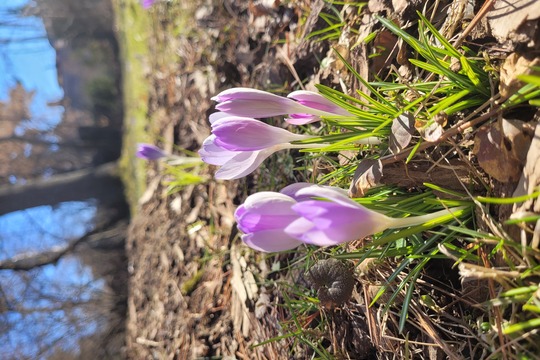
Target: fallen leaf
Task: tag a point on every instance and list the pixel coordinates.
(513, 66)
(367, 175)
(383, 48)
(262, 304)
(343, 50)
(377, 6)
(529, 183)
(150, 190)
(429, 130)
(501, 148)
(244, 289)
(402, 131)
(513, 20)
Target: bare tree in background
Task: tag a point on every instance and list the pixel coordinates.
(53, 165)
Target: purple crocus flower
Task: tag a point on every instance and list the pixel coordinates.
(282, 221)
(149, 152)
(261, 104)
(239, 145)
(311, 214)
(147, 3)
(333, 220)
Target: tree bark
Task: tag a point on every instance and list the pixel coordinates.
(99, 182)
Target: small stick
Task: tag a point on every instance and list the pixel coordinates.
(481, 13)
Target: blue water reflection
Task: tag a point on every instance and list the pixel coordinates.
(54, 305)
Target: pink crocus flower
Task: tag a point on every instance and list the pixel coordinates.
(311, 214)
(239, 145)
(261, 104)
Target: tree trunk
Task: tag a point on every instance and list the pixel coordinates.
(100, 182)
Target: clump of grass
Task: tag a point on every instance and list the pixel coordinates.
(178, 177)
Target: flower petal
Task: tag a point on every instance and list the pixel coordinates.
(336, 223)
(246, 134)
(255, 103)
(269, 202)
(242, 164)
(254, 222)
(332, 193)
(148, 3)
(213, 154)
(245, 94)
(256, 108)
(302, 119)
(270, 241)
(309, 234)
(218, 115)
(149, 152)
(264, 211)
(317, 101)
(292, 189)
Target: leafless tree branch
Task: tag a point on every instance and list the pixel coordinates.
(29, 261)
(37, 141)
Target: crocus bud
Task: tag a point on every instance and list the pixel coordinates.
(261, 104)
(149, 152)
(239, 145)
(315, 101)
(246, 134)
(297, 218)
(313, 214)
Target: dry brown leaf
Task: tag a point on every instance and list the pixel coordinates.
(150, 190)
(244, 289)
(367, 175)
(513, 66)
(402, 131)
(529, 183)
(262, 304)
(429, 131)
(377, 6)
(501, 148)
(513, 20)
(383, 46)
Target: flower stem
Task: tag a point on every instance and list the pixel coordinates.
(421, 219)
(306, 146)
(372, 140)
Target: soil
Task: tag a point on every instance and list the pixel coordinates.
(194, 290)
